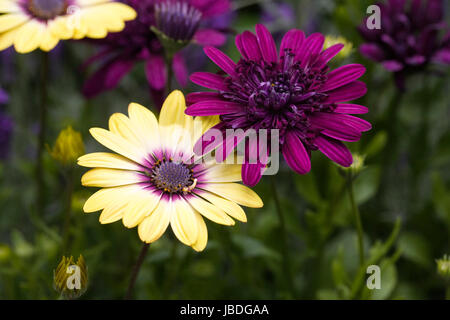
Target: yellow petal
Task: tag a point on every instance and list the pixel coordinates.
(154, 226)
(29, 36)
(174, 124)
(210, 211)
(7, 6)
(142, 206)
(145, 122)
(85, 3)
(222, 173)
(203, 124)
(103, 178)
(235, 192)
(118, 144)
(62, 27)
(104, 197)
(202, 238)
(49, 41)
(7, 38)
(12, 20)
(113, 212)
(231, 208)
(107, 160)
(121, 125)
(183, 222)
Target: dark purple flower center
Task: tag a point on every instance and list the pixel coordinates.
(171, 176)
(276, 96)
(47, 9)
(177, 19)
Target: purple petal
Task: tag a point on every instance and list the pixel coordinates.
(107, 77)
(335, 150)
(295, 154)
(355, 122)
(155, 71)
(180, 70)
(240, 46)
(3, 97)
(333, 126)
(392, 65)
(311, 47)
(211, 7)
(434, 11)
(252, 173)
(213, 107)
(348, 92)
(209, 80)
(343, 75)
(251, 46)
(372, 51)
(266, 44)
(221, 60)
(442, 56)
(416, 60)
(329, 54)
(351, 109)
(210, 37)
(201, 96)
(292, 40)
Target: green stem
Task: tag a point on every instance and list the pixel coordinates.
(284, 249)
(169, 67)
(42, 132)
(136, 269)
(67, 209)
(358, 223)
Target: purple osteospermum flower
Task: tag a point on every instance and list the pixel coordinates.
(409, 37)
(183, 20)
(294, 92)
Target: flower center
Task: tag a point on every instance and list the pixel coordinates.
(47, 9)
(276, 96)
(177, 19)
(172, 177)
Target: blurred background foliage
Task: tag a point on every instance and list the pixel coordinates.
(403, 193)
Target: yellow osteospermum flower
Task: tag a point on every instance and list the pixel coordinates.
(156, 179)
(33, 24)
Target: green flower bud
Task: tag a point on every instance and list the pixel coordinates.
(68, 147)
(443, 267)
(70, 279)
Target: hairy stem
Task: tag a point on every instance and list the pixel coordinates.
(284, 249)
(357, 216)
(41, 138)
(136, 269)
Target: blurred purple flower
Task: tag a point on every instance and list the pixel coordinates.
(4, 98)
(136, 43)
(278, 13)
(409, 38)
(292, 90)
(6, 128)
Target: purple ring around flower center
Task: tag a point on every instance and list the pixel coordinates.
(47, 9)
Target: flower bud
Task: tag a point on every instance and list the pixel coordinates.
(443, 266)
(70, 279)
(68, 147)
(346, 50)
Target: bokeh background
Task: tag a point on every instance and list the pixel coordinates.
(403, 191)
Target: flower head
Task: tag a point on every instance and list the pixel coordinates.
(293, 91)
(409, 38)
(175, 22)
(156, 180)
(68, 147)
(33, 24)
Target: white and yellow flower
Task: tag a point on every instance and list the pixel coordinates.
(156, 179)
(33, 24)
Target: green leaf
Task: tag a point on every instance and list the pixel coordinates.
(414, 247)
(366, 184)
